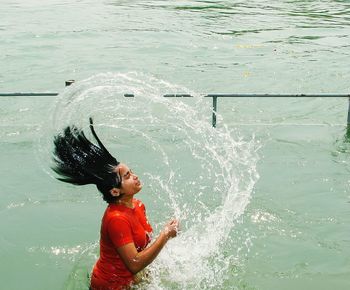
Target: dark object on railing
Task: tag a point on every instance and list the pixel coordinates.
(69, 82)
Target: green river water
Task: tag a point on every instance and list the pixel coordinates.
(263, 199)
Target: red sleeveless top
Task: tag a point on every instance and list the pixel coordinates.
(120, 225)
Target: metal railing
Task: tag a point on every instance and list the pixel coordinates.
(216, 96)
(28, 94)
(213, 96)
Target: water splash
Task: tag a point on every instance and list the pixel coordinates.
(201, 175)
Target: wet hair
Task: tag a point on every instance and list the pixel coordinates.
(78, 161)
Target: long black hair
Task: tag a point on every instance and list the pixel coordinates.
(78, 161)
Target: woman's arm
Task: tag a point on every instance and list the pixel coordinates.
(136, 261)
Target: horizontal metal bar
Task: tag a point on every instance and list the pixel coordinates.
(177, 96)
(256, 96)
(27, 94)
(206, 96)
(277, 96)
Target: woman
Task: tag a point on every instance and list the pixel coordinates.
(125, 231)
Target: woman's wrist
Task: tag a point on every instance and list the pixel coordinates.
(165, 234)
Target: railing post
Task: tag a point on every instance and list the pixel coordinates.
(348, 113)
(214, 110)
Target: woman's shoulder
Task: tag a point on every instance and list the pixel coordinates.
(118, 220)
(115, 212)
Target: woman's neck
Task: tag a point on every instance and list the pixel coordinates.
(127, 201)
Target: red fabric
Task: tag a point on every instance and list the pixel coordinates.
(120, 225)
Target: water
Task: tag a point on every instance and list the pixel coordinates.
(264, 198)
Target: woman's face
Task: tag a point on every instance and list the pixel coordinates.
(130, 182)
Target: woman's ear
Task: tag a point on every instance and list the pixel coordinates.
(115, 192)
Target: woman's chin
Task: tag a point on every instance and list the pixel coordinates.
(138, 188)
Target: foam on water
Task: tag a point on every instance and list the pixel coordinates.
(203, 176)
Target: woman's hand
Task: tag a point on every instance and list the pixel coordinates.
(171, 228)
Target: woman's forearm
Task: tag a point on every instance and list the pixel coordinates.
(145, 257)
(136, 261)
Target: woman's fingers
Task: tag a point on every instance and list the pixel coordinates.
(172, 227)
